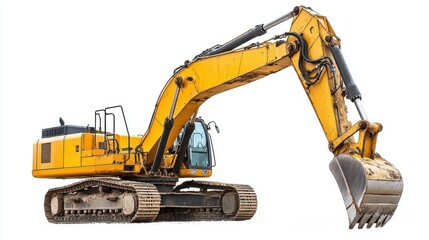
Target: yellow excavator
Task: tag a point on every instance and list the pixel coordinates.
(134, 178)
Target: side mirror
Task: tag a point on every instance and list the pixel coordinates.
(216, 127)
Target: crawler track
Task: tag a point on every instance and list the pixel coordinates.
(246, 202)
(146, 197)
(108, 200)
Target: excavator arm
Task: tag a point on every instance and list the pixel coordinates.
(148, 167)
(371, 187)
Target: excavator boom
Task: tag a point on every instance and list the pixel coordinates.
(177, 143)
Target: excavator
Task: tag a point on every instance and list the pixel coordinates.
(136, 178)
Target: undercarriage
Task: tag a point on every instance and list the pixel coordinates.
(113, 200)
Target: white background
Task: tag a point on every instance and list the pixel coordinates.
(68, 58)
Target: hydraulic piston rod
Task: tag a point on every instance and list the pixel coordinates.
(353, 92)
(168, 124)
(279, 20)
(257, 31)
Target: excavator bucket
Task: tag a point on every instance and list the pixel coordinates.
(371, 188)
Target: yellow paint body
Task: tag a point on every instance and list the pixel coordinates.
(75, 155)
(371, 187)
(80, 155)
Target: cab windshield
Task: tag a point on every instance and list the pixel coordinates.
(198, 147)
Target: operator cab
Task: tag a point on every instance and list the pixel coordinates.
(199, 157)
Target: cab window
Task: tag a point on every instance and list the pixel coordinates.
(198, 147)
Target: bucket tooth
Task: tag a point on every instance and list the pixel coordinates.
(364, 219)
(373, 219)
(371, 188)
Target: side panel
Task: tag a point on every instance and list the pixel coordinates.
(72, 150)
(91, 148)
(48, 153)
(78, 155)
